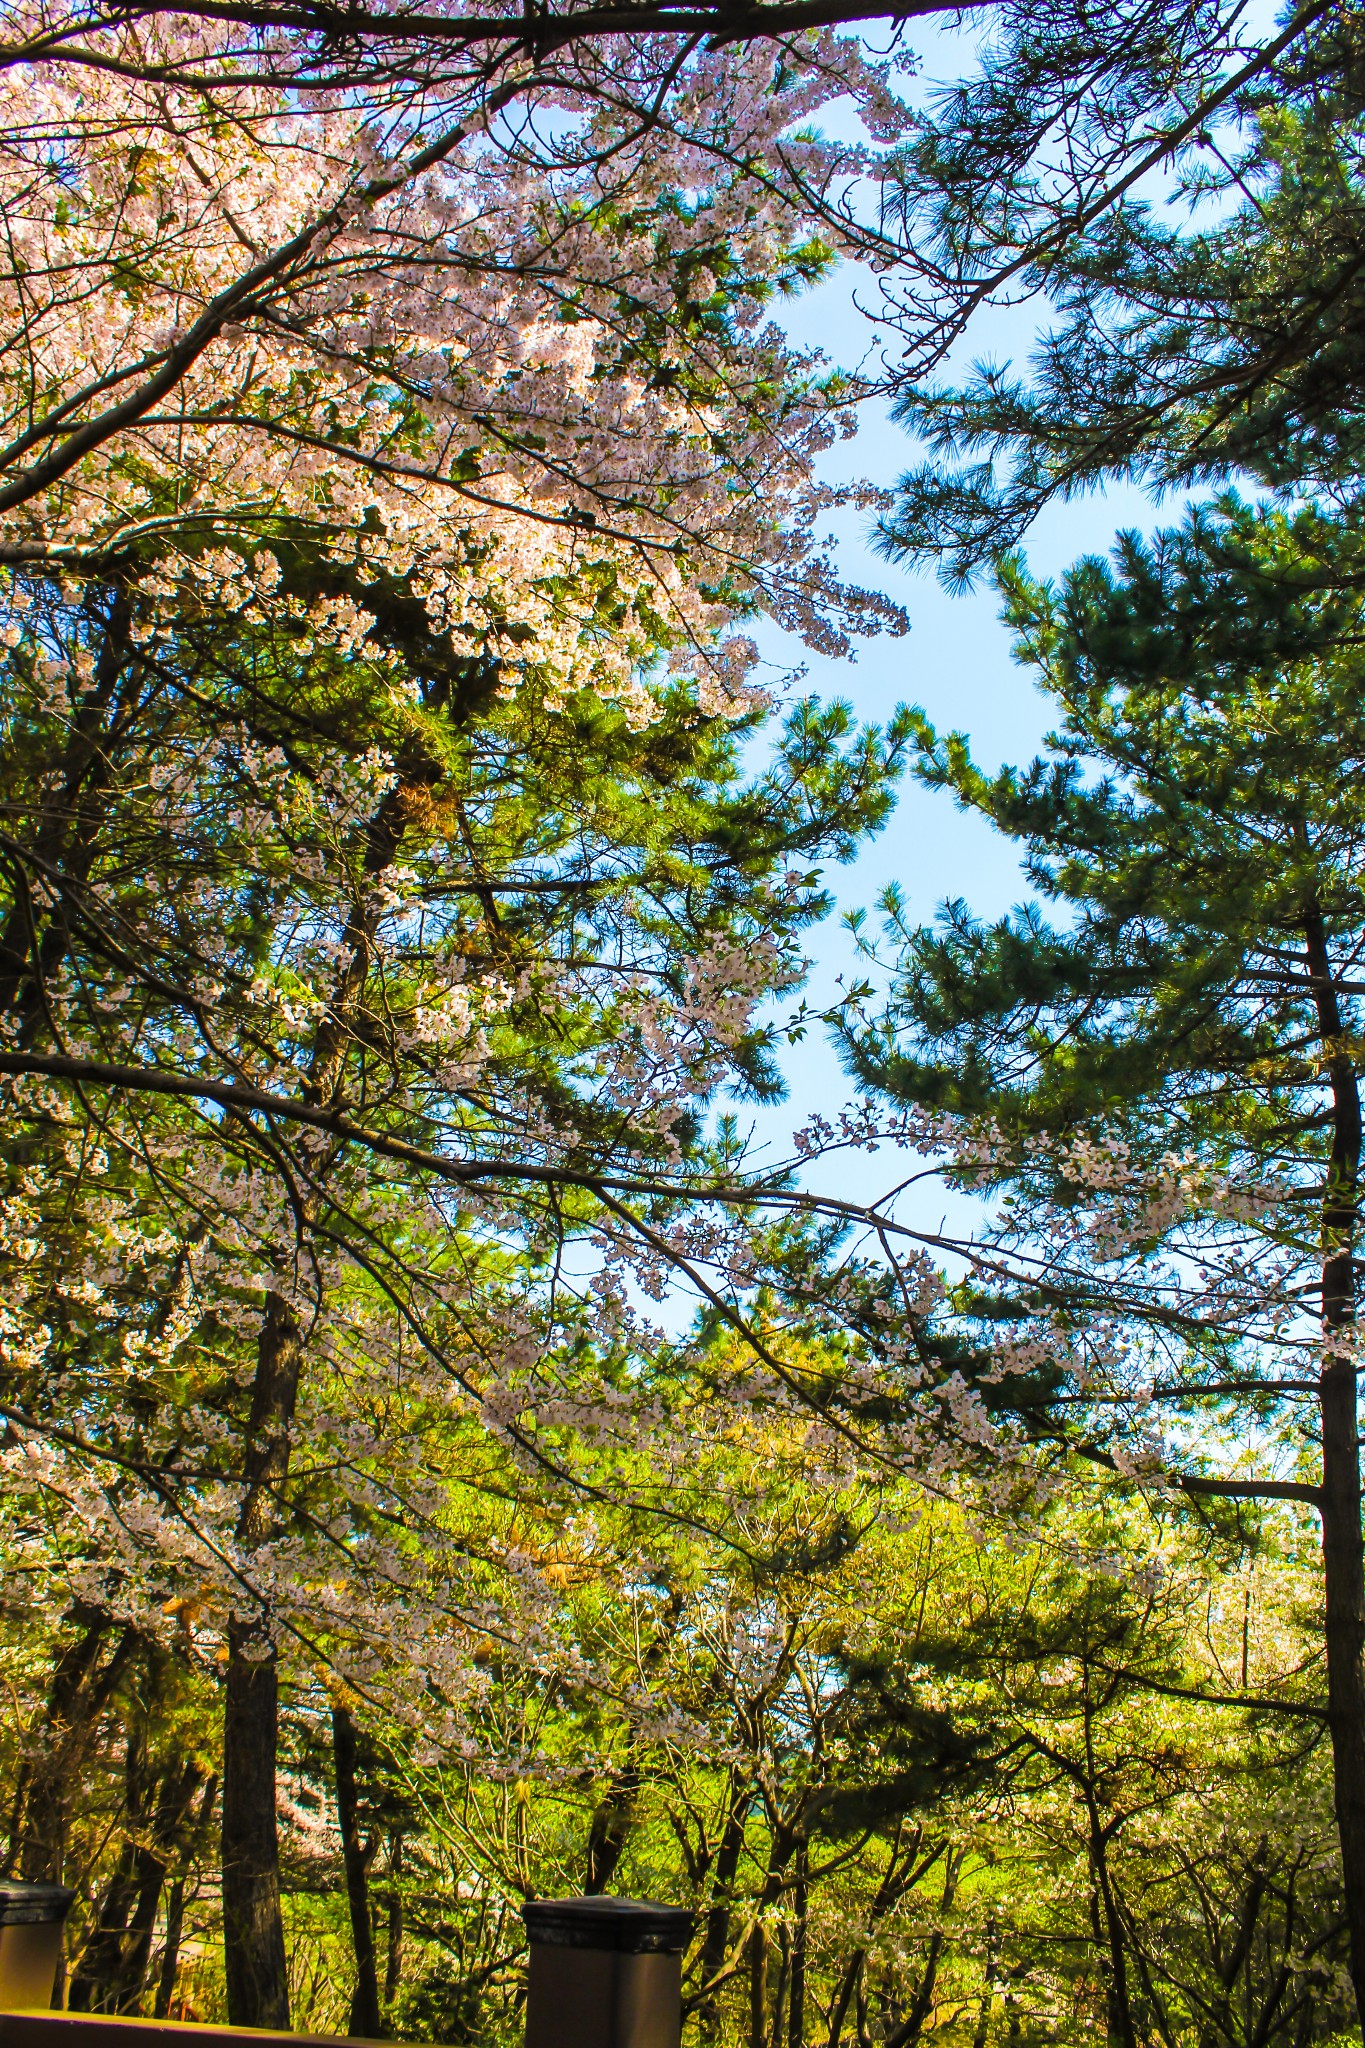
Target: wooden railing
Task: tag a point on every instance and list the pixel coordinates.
(602, 1973)
(34, 2029)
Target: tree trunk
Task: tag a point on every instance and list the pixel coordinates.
(253, 1925)
(717, 1937)
(779, 1982)
(168, 1827)
(983, 2018)
(364, 2021)
(1343, 1553)
(175, 1903)
(896, 1881)
(614, 1815)
(97, 1973)
(844, 1997)
(796, 1997)
(610, 1829)
(1108, 1923)
(922, 2004)
(393, 1959)
(80, 1690)
(34, 938)
(157, 1802)
(170, 1954)
(758, 1986)
(1344, 1584)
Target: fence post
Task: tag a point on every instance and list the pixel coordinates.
(604, 1973)
(31, 1917)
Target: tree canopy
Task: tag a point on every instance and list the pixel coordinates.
(443, 1465)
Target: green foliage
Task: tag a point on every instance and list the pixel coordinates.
(1211, 331)
(1197, 814)
(914, 1756)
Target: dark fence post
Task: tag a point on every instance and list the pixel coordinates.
(31, 1917)
(604, 1973)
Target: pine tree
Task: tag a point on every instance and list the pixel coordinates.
(1169, 1065)
(1209, 332)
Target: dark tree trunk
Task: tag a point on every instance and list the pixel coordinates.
(253, 1926)
(175, 1902)
(1343, 1553)
(614, 1815)
(770, 1964)
(779, 1982)
(169, 1824)
(896, 1881)
(848, 1985)
(796, 1997)
(364, 2020)
(758, 1986)
(717, 1937)
(81, 1689)
(393, 1959)
(1344, 1584)
(34, 938)
(97, 1973)
(983, 2018)
(113, 1965)
(610, 1830)
(909, 2032)
(170, 1954)
(1119, 2028)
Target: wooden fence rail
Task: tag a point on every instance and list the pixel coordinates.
(603, 1973)
(30, 2029)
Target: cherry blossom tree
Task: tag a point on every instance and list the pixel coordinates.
(511, 937)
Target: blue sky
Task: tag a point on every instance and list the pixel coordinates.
(955, 662)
